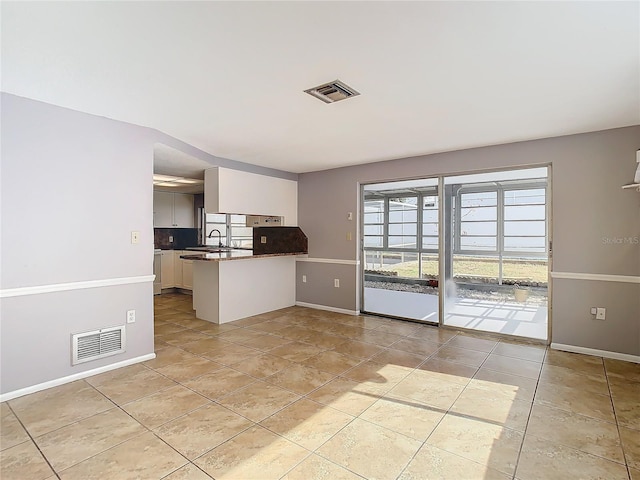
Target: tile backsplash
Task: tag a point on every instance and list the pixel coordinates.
(182, 238)
(279, 240)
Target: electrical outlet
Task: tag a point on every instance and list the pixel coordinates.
(131, 316)
(348, 236)
(304, 279)
(263, 239)
(601, 313)
(336, 282)
(350, 216)
(135, 237)
(170, 238)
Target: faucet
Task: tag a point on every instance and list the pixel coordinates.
(219, 236)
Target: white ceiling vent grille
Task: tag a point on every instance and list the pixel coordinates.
(332, 92)
(97, 344)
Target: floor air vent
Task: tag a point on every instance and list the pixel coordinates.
(332, 92)
(97, 344)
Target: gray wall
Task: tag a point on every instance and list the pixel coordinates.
(589, 207)
(73, 187)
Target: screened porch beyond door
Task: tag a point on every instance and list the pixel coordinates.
(491, 248)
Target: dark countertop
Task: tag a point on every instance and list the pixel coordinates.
(234, 255)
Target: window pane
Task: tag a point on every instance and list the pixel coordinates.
(479, 214)
(373, 230)
(402, 242)
(430, 216)
(403, 203)
(403, 209)
(431, 202)
(403, 216)
(403, 229)
(430, 242)
(373, 217)
(525, 244)
(478, 228)
(480, 199)
(535, 228)
(478, 243)
(523, 197)
(241, 231)
(216, 218)
(524, 212)
(430, 229)
(373, 241)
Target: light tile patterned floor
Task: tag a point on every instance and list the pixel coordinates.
(307, 394)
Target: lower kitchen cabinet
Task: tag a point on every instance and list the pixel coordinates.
(187, 274)
(177, 268)
(176, 272)
(167, 269)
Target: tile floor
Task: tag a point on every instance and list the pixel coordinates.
(306, 394)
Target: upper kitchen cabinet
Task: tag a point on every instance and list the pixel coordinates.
(173, 210)
(234, 191)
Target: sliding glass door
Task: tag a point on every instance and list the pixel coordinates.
(400, 249)
(495, 256)
(488, 259)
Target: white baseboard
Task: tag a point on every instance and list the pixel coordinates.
(72, 378)
(598, 353)
(327, 308)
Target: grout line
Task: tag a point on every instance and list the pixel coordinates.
(526, 426)
(55, 472)
(615, 416)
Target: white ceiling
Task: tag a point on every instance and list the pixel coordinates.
(228, 77)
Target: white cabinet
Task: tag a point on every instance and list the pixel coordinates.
(234, 191)
(177, 268)
(167, 269)
(187, 274)
(183, 211)
(162, 209)
(182, 271)
(172, 210)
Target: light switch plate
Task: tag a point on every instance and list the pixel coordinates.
(601, 313)
(263, 239)
(135, 237)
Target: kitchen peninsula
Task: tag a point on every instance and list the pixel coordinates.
(232, 284)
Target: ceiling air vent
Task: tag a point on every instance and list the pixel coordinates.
(332, 92)
(97, 344)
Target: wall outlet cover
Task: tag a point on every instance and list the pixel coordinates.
(131, 316)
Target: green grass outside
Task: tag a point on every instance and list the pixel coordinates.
(517, 270)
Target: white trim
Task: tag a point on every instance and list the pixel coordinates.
(328, 260)
(72, 378)
(327, 308)
(598, 353)
(61, 287)
(596, 276)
